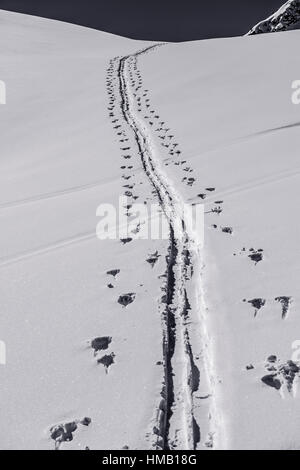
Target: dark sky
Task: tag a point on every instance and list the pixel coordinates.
(161, 20)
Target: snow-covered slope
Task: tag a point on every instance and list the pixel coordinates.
(148, 343)
(230, 110)
(286, 18)
(60, 159)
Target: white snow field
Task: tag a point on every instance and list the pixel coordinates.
(148, 344)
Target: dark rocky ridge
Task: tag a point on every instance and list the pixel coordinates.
(284, 19)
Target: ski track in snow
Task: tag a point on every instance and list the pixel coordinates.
(55, 194)
(42, 250)
(253, 184)
(175, 423)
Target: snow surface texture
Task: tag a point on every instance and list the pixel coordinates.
(146, 344)
(286, 18)
(239, 136)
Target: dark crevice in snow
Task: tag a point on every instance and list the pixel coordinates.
(257, 304)
(281, 374)
(107, 361)
(126, 299)
(285, 304)
(101, 343)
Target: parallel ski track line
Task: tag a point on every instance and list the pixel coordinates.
(55, 194)
(177, 392)
(45, 249)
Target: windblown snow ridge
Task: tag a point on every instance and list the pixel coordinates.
(286, 18)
